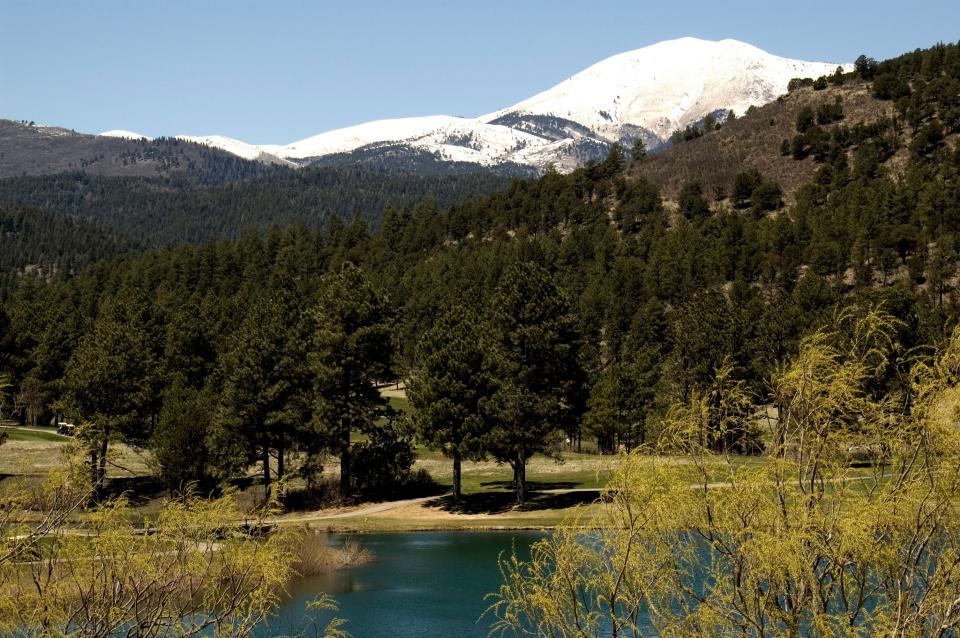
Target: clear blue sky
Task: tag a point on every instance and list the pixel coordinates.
(276, 71)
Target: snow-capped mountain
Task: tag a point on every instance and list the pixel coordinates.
(647, 93)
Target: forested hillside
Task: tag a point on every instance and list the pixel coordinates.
(158, 211)
(624, 303)
(756, 139)
(43, 245)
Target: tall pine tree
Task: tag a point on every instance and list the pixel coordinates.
(352, 349)
(447, 386)
(533, 347)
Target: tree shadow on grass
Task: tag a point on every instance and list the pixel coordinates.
(532, 486)
(137, 489)
(503, 502)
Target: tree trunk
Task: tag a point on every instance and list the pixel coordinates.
(102, 468)
(280, 451)
(520, 479)
(456, 477)
(280, 468)
(266, 471)
(345, 463)
(94, 466)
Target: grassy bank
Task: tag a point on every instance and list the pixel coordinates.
(558, 486)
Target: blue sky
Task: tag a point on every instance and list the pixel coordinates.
(278, 71)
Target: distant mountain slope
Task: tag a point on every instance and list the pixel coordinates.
(647, 93)
(27, 149)
(755, 140)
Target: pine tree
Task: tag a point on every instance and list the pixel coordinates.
(533, 347)
(109, 382)
(638, 152)
(352, 349)
(265, 399)
(447, 387)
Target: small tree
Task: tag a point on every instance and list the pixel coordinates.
(805, 119)
(767, 197)
(802, 544)
(638, 152)
(198, 573)
(865, 67)
(744, 184)
(179, 443)
(692, 203)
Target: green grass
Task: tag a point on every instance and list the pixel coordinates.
(400, 404)
(17, 434)
(545, 520)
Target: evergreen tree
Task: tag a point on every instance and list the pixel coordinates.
(109, 383)
(638, 152)
(179, 444)
(533, 347)
(265, 396)
(447, 387)
(352, 349)
(617, 407)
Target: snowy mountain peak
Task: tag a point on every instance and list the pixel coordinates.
(646, 93)
(667, 86)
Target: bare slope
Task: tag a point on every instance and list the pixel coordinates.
(754, 140)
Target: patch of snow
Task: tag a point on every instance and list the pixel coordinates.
(127, 135)
(353, 137)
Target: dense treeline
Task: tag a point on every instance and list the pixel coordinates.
(42, 244)
(570, 306)
(158, 211)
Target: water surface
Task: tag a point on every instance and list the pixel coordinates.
(420, 584)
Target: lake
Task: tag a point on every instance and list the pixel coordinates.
(420, 584)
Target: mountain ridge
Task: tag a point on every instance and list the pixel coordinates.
(646, 93)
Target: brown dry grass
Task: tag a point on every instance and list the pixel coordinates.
(314, 554)
(39, 457)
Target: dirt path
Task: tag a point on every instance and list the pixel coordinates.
(366, 510)
(388, 506)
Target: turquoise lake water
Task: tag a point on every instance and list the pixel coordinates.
(422, 584)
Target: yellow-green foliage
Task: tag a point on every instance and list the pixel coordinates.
(194, 571)
(804, 544)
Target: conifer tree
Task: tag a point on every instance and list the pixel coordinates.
(265, 399)
(109, 382)
(352, 349)
(638, 152)
(533, 347)
(447, 387)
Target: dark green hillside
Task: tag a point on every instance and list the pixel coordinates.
(155, 211)
(40, 245)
